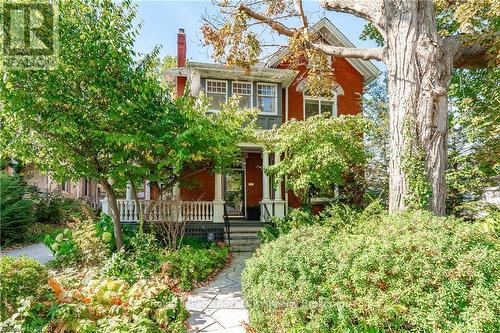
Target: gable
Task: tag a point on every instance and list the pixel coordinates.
(328, 32)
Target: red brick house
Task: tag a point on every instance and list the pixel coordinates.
(278, 92)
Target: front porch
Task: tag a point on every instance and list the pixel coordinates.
(243, 194)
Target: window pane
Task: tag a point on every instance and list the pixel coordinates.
(311, 108)
(245, 102)
(327, 106)
(216, 101)
(216, 87)
(266, 104)
(242, 88)
(266, 89)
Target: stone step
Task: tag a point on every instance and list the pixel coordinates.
(244, 229)
(244, 235)
(244, 248)
(245, 241)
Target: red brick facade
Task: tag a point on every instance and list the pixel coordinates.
(201, 184)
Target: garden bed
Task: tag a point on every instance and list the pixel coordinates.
(91, 288)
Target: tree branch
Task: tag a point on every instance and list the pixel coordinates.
(342, 52)
(277, 26)
(467, 52)
(374, 53)
(370, 10)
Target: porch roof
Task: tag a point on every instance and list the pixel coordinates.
(221, 71)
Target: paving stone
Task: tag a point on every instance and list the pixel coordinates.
(230, 318)
(219, 307)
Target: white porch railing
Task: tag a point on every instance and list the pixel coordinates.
(190, 211)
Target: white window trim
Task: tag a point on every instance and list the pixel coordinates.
(275, 98)
(207, 92)
(333, 99)
(251, 91)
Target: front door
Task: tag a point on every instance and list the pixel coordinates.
(234, 193)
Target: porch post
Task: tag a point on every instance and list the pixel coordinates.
(279, 203)
(147, 190)
(128, 194)
(176, 191)
(105, 206)
(218, 201)
(266, 195)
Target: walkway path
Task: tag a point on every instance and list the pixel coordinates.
(218, 307)
(36, 251)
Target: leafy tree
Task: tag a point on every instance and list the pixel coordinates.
(101, 114)
(16, 208)
(376, 110)
(318, 153)
(473, 141)
(419, 55)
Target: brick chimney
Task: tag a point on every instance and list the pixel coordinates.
(181, 48)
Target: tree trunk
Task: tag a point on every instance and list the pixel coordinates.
(419, 74)
(117, 226)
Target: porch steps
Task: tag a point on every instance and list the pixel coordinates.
(244, 236)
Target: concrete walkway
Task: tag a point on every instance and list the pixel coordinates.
(218, 307)
(36, 251)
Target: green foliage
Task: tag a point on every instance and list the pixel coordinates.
(408, 272)
(88, 243)
(295, 218)
(19, 278)
(16, 209)
(139, 260)
(102, 305)
(63, 247)
(318, 153)
(376, 139)
(103, 114)
(335, 216)
(38, 231)
(473, 139)
(53, 208)
(194, 262)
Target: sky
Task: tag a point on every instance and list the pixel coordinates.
(161, 21)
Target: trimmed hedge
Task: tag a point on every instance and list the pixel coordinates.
(410, 272)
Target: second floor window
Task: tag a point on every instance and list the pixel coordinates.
(244, 90)
(314, 106)
(216, 90)
(267, 97)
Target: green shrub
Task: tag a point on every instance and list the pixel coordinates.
(410, 272)
(19, 278)
(88, 243)
(54, 208)
(194, 262)
(16, 210)
(336, 216)
(140, 259)
(63, 247)
(39, 231)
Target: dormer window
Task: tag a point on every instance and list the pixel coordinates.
(267, 98)
(244, 90)
(216, 90)
(314, 106)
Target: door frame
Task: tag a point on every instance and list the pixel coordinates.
(244, 190)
